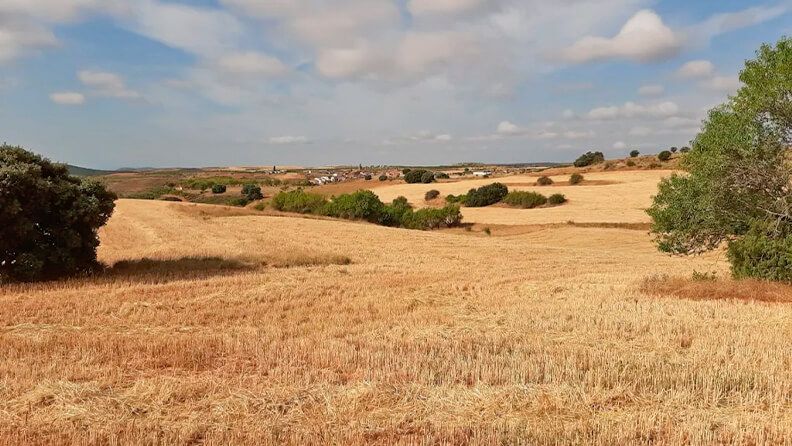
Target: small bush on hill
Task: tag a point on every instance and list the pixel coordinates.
(298, 201)
(665, 155)
(589, 158)
(544, 181)
(525, 200)
(460, 199)
(556, 199)
(431, 195)
(241, 202)
(367, 177)
(684, 150)
(360, 205)
(634, 154)
(486, 195)
(441, 176)
(383, 178)
(673, 149)
(219, 189)
(419, 176)
(576, 178)
(252, 192)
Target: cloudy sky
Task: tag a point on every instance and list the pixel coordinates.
(112, 83)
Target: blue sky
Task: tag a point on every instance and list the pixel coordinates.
(126, 83)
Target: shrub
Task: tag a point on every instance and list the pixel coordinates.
(406, 171)
(219, 189)
(589, 158)
(486, 195)
(556, 199)
(441, 176)
(367, 177)
(240, 202)
(684, 150)
(428, 177)
(630, 163)
(383, 178)
(665, 155)
(576, 178)
(456, 198)
(544, 181)
(432, 218)
(252, 192)
(393, 214)
(431, 195)
(673, 149)
(634, 154)
(418, 176)
(298, 201)
(525, 200)
(361, 205)
(762, 254)
(48, 219)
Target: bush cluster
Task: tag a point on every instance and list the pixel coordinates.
(544, 181)
(525, 200)
(486, 195)
(590, 158)
(665, 155)
(431, 195)
(556, 199)
(219, 189)
(252, 192)
(576, 178)
(419, 176)
(456, 199)
(365, 205)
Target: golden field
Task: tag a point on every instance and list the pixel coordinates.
(241, 328)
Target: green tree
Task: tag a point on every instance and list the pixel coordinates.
(665, 155)
(738, 177)
(48, 219)
(634, 154)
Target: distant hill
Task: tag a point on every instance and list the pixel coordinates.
(84, 172)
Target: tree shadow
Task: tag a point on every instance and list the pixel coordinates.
(168, 270)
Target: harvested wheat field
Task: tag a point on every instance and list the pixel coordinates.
(604, 197)
(249, 329)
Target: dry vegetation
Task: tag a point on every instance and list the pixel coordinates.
(225, 326)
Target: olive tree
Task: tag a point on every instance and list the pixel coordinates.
(48, 219)
(738, 178)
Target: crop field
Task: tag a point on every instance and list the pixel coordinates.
(217, 325)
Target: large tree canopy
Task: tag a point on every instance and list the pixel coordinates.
(48, 219)
(738, 171)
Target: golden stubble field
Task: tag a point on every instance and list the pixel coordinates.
(250, 329)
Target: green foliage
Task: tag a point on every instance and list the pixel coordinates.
(525, 200)
(684, 150)
(367, 177)
(441, 176)
(486, 195)
(556, 199)
(153, 193)
(737, 189)
(383, 178)
(360, 205)
(665, 155)
(406, 171)
(673, 149)
(459, 199)
(576, 178)
(298, 201)
(219, 189)
(634, 154)
(544, 181)
(590, 158)
(763, 253)
(48, 219)
(433, 218)
(240, 202)
(252, 192)
(431, 195)
(419, 176)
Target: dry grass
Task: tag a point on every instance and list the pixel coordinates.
(425, 338)
(608, 197)
(726, 290)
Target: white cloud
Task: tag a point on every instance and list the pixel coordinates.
(633, 110)
(644, 38)
(67, 98)
(289, 140)
(696, 69)
(251, 63)
(508, 128)
(732, 21)
(19, 35)
(620, 145)
(447, 7)
(651, 90)
(107, 84)
(724, 84)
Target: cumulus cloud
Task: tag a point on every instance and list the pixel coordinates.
(67, 98)
(632, 110)
(508, 128)
(696, 69)
(20, 35)
(107, 84)
(447, 7)
(644, 38)
(651, 90)
(723, 84)
(251, 63)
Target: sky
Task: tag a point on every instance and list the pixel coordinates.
(191, 83)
